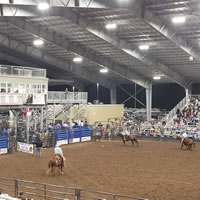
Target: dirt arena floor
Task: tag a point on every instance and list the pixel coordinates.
(154, 170)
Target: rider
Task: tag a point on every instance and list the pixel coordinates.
(58, 151)
(126, 134)
(184, 136)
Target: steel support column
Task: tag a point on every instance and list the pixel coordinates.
(149, 101)
(188, 93)
(113, 95)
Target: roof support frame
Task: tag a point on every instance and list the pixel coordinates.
(22, 49)
(124, 46)
(56, 39)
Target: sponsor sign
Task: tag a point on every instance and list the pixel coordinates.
(26, 148)
(83, 139)
(74, 140)
(62, 142)
(3, 151)
(38, 99)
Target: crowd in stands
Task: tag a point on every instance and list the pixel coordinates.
(188, 119)
(189, 114)
(67, 124)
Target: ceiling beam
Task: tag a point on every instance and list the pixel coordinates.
(62, 42)
(124, 46)
(75, 3)
(22, 49)
(170, 33)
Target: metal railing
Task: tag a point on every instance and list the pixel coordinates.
(6, 70)
(70, 97)
(12, 99)
(36, 190)
(169, 117)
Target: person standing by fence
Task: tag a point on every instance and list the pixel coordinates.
(38, 144)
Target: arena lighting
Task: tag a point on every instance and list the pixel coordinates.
(144, 47)
(77, 59)
(178, 20)
(43, 5)
(191, 58)
(111, 26)
(104, 70)
(38, 42)
(156, 77)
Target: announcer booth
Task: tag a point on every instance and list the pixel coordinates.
(23, 99)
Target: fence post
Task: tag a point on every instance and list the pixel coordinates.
(45, 191)
(114, 196)
(16, 188)
(78, 194)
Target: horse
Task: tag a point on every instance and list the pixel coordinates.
(127, 138)
(55, 162)
(187, 142)
(97, 137)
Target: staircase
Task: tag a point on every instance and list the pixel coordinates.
(172, 114)
(53, 111)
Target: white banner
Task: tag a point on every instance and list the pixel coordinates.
(74, 140)
(62, 142)
(26, 148)
(38, 99)
(3, 151)
(83, 139)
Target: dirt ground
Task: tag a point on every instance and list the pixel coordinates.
(154, 170)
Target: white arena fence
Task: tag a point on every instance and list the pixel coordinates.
(35, 190)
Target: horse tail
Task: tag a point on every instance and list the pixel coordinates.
(194, 144)
(50, 164)
(49, 167)
(136, 141)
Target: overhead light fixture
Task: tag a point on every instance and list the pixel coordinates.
(111, 26)
(156, 77)
(178, 20)
(104, 70)
(38, 42)
(78, 59)
(144, 47)
(43, 5)
(191, 58)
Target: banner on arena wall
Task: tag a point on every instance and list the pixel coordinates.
(3, 151)
(26, 148)
(84, 139)
(62, 142)
(74, 140)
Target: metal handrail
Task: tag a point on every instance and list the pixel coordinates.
(76, 192)
(169, 117)
(69, 97)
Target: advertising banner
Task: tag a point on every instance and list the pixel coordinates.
(84, 139)
(26, 148)
(74, 140)
(3, 151)
(62, 142)
(38, 99)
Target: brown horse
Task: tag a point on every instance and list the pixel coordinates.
(131, 138)
(187, 142)
(55, 162)
(97, 137)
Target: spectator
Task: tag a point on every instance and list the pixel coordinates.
(38, 146)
